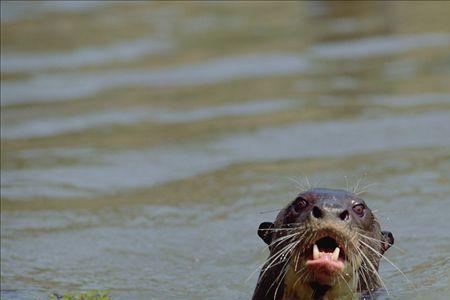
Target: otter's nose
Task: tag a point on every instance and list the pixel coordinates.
(320, 212)
(317, 212)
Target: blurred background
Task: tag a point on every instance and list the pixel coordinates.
(142, 143)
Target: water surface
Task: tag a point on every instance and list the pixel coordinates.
(143, 143)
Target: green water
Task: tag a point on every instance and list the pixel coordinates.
(143, 143)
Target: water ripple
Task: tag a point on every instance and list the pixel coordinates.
(144, 168)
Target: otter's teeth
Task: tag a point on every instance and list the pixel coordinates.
(316, 253)
(335, 254)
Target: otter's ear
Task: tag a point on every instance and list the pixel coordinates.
(264, 232)
(387, 240)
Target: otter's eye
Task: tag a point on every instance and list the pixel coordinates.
(300, 204)
(359, 209)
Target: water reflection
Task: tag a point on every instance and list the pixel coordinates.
(142, 141)
(14, 11)
(378, 46)
(139, 169)
(61, 125)
(129, 50)
(67, 87)
(334, 21)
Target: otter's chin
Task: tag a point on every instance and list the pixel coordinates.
(326, 261)
(324, 270)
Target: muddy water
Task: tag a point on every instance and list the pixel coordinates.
(143, 143)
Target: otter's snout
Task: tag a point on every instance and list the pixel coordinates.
(325, 211)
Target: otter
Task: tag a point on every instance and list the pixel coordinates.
(325, 244)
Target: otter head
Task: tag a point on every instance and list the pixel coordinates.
(325, 242)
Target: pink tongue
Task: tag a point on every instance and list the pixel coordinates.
(325, 264)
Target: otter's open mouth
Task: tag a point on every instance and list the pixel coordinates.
(326, 258)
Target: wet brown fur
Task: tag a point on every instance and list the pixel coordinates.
(284, 276)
